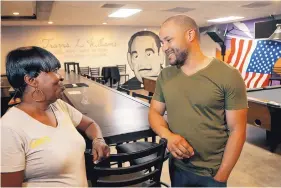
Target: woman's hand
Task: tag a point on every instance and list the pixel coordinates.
(100, 150)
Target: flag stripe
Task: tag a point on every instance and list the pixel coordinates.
(243, 46)
(254, 59)
(237, 55)
(264, 81)
(240, 68)
(249, 76)
(255, 80)
(250, 80)
(248, 58)
(258, 81)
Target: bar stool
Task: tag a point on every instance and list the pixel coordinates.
(74, 64)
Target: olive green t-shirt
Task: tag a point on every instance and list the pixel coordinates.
(196, 107)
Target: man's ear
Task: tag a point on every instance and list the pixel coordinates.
(190, 35)
(129, 59)
(32, 82)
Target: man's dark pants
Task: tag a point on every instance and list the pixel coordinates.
(183, 178)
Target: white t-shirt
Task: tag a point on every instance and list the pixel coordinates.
(49, 156)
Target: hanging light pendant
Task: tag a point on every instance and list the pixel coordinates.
(277, 33)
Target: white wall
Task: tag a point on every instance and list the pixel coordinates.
(94, 46)
(90, 46)
(208, 46)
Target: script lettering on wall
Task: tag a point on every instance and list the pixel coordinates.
(98, 47)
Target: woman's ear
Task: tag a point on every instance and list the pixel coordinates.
(30, 81)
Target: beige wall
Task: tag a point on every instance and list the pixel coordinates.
(208, 46)
(89, 45)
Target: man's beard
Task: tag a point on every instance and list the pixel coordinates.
(180, 59)
(181, 56)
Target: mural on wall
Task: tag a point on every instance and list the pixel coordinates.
(254, 58)
(145, 58)
(78, 47)
(94, 46)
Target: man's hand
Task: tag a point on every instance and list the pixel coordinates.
(179, 147)
(100, 150)
(220, 178)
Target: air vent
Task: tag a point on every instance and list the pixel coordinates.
(257, 4)
(180, 9)
(112, 5)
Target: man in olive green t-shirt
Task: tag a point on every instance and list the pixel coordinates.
(206, 104)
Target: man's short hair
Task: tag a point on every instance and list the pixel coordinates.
(184, 22)
(144, 33)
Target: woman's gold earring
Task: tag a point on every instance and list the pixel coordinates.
(38, 92)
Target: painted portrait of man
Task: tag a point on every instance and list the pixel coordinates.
(145, 58)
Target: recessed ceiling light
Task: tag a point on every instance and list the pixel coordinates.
(50, 22)
(123, 13)
(145, 29)
(104, 23)
(225, 19)
(16, 13)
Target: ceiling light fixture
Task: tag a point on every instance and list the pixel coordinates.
(16, 13)
(50, 22)
(123, 13)
(225, 19)
(104, 23)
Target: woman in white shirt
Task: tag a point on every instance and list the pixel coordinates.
(40, 142)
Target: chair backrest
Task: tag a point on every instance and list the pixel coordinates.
(76, 67)
(95, 71)
(122, 68)
(84, 71)
(142, 96)
(103, 176)
(120, 88)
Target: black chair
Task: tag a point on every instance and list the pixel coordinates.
(276, 75)
(122, 70)
(134, 94)
(119, 88)
(75, 67)
(136, 146)
(95, 75)
(85, 71)
(104, 175)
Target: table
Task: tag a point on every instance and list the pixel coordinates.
(121, 117)
(149, 84)
(265, 112)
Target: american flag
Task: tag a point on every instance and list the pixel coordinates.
(254, 59)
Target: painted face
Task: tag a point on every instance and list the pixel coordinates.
(144, 58)
(51, 85)
(173, 43)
